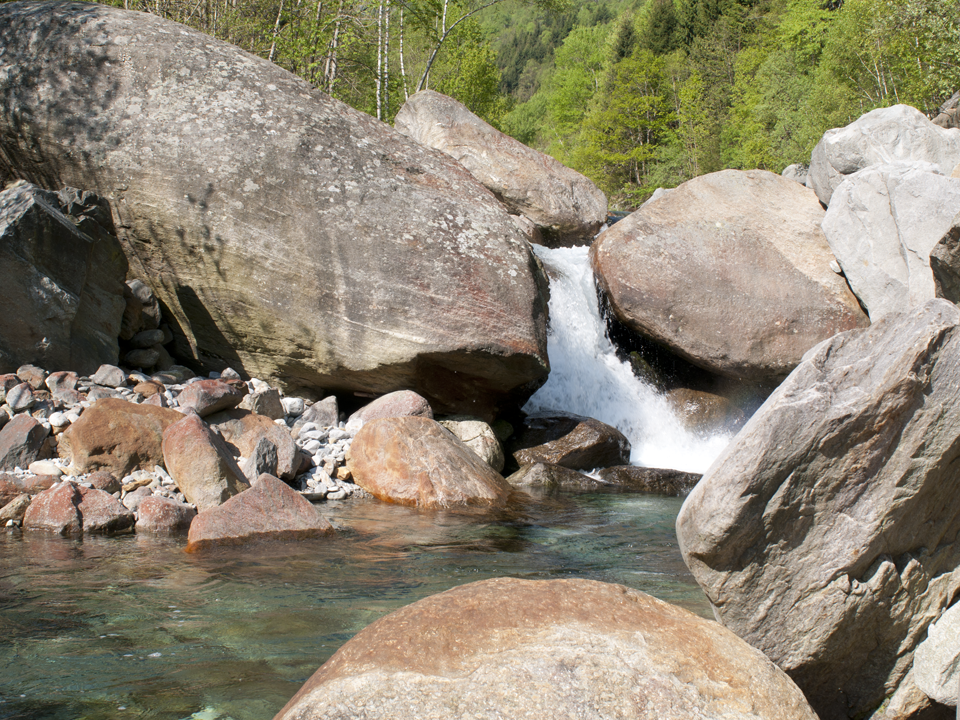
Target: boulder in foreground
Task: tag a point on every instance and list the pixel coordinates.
(415, 461)
(546, 649)
(290, 236)
(269, 510)
(564, 206)
(826, 534)
(743, 285)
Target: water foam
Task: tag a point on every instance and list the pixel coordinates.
(587, 378)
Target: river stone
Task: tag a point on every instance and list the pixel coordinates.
(20, 397)
(103, 480)
(201, 464)
(61, 380)
(117, 436)
(731, 271)
(32, 375)
(573, 441)
(142, 358)
(661, 481)
(325, 413)
(290, 236)
(103, 514)
(64, 275)
(15, 509)
(55, 510)
(401, 403)
(109, 376)
(546, 475)
(882, 224)
(936, 662)
(478, 436)
(210, 396)
(10, 487)
(415, 461)
(886, 135)
(243, 430)
(158, 515)
(566, 208)
(705, 413)
(269, 510)
(147, 338)
(826, 534)
(21, 442)
(264, 402)
(511, 648)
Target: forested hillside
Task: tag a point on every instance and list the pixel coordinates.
(635, 94)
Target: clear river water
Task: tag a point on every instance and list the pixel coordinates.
(134, 627)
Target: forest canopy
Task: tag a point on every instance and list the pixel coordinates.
(635, 94)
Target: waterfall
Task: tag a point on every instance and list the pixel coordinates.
(587, 378)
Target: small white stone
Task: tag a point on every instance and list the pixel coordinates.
(311, 446)
(293, 405)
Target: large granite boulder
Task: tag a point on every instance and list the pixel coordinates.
(117, 436)
(569, 440)
(290, 236)
(731, 271)
(564, 206)
(882, 136)
(269, 510)
(882, 225)
(415, 461)
(826, 534)
(511, 648)
(63, 269)
(201, 464)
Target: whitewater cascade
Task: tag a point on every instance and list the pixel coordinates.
(587, 377)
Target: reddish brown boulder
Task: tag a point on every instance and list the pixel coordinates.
(103, 480)
(242, 430)
(415, 461)
(572, 441)
(21, 442)
(402, 403)
(10, 487)
(511, 648)
(118, 436)
(210, 396)
(56, 510)
(36, 484)
(32, 375)
(269, 510)
(162, 516)
(102, 514)
(200, 463)
(62, 380)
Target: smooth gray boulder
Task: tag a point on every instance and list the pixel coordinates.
(62, 269)
(882, 136)
(729, 270)
(290, 236)
(936, 662)
(826, 534)
(566, 207)
(882, 225)
(512, 648)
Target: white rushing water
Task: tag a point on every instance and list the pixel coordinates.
(587, 378)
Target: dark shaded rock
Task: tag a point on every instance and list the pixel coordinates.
(10, 487)
(415, 461)
(162, 516)
(400, 270)
(743, 285)
(63, 272)
(117, 436)
(564, 206)
(545, 475)
(269, 510)
(210, 396)
(200, 463)
(945, 263)
(262, 461)
(572, 441)
(21, 442)
(511, 648)
(243, 431)
(659, 481)
(141, 358)
(826, 534)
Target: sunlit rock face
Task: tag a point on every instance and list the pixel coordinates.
(288, 235)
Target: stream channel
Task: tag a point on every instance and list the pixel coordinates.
(133, 627)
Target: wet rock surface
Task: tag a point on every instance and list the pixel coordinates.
(572, 441)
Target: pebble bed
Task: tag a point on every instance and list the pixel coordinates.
(326, 479)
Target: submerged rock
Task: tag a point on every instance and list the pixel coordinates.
(415, 461)
(549, 476)
(290, 236)
(659, 481)
(826, 534)
(564, 206)
(742, 284)
(546, 649)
